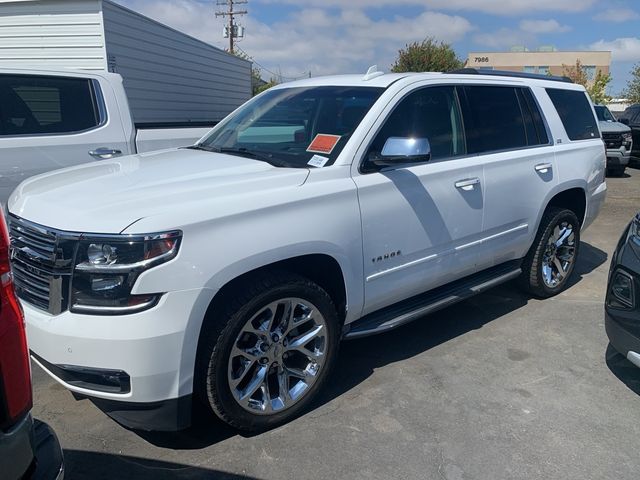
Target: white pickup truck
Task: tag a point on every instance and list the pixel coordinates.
(55, 119)
(328, 208)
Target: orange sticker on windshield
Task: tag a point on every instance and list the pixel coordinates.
(323, 143)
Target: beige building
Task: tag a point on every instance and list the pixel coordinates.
(543, 61)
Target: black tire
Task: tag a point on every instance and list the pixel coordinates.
(531, 279)
(617, 171)
(220, 334)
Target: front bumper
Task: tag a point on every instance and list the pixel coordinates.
(152, 354)
(618, 157)
(622, 340)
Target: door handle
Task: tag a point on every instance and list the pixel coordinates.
(103, 153)
(543, 167)
(467, 184)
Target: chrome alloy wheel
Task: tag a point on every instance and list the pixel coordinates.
(559, 255)
(277, 356)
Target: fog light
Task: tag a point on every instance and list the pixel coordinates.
(622, 290)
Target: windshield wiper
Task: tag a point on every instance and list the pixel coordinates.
(263, 157)
(241, 152)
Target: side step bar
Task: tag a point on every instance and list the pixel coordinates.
(416, 307)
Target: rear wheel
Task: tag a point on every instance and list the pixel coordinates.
(271, 352)
(551, 259)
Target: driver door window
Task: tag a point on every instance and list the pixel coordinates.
(430, 113)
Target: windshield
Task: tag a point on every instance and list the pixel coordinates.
(292, 127)
(604, 115)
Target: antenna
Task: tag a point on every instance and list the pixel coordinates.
(232, 30)
(373, 72)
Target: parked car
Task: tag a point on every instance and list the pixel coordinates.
(56, 119)
(631, 117)
(622, 307)
(324, 209)
(28, 449)
(618, 140)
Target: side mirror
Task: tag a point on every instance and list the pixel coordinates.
(403, 150)
(624, 120)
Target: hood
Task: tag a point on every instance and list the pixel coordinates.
(613, 127)
(107, 196)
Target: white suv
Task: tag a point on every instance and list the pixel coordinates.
(324, 209)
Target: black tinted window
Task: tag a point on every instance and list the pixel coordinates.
(493, 119)
(575, 112)
(533, 117)
(430, 113)
(31, 105)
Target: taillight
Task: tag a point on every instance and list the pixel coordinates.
(15, 373)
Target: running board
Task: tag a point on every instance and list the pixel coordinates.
(416, 307)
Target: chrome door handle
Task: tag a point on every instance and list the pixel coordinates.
(543, 167)
(103, 153)
(467, 184)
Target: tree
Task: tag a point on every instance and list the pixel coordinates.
(597, 89)
(257, 84)
(427, 56)
(632, 92)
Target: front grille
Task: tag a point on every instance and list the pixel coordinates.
(612, 140)
(41, 262)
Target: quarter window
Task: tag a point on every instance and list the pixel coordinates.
(35, 105)
(575, 112)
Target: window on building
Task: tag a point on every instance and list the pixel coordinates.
(493, 119)
(543, 70)
(32, 105)
(590, 71)
(576, 114)
(529, 69)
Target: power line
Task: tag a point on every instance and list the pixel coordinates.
(304, 75)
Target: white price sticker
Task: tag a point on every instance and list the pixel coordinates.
(318, 161)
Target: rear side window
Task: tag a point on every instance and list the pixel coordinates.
(575, 112)
(35, 105)
(493, 119)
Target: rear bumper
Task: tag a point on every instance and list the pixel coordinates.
(49, 458)
(594, 205)
(31, 450)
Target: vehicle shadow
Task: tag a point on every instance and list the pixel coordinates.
(589, 258)
(360, 358)
(106, 466)
(623, 369)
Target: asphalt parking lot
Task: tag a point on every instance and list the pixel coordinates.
(499, 387)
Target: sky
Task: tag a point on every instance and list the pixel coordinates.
(291, 38)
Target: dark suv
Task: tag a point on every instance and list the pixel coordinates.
(28, 448)
(631, 117)
(622, 309)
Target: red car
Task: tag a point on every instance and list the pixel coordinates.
(29, 449)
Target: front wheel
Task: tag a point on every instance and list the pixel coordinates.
(271, 352)
(551, 259)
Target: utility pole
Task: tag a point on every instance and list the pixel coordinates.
(232, 30)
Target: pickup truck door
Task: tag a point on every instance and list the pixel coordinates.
(420, 223)
(54, 121)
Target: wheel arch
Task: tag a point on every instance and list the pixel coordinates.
(572, 196)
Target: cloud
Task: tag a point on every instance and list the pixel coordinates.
(504, 38)
(543, 26)
(323, 41)
(622, 49)
(498, 7)
(617, 15)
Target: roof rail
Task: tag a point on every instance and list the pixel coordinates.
(505, 73)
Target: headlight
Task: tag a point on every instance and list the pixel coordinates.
(627, 137)
(108, 266)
